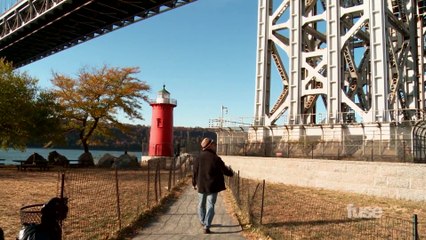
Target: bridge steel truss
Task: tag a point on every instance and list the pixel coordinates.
(344, 76)
(344, 62)
(34, 29)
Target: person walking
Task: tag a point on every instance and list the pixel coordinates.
(208, 178)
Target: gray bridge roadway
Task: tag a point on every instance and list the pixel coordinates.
(34, 29)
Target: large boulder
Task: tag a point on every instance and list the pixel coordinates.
(56, 158)
(36, 158)
(126, 161)
(106, 161)
(86, 160)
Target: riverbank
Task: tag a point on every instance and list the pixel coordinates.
(71, 154)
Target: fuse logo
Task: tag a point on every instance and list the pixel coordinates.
(364, 212)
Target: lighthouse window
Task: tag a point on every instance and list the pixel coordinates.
(159, 122)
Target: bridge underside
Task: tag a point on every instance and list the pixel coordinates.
(31, 30)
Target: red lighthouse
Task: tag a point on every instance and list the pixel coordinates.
(161, 135)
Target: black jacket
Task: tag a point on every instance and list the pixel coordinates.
(208, 171)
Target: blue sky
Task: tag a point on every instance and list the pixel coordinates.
(204, 52)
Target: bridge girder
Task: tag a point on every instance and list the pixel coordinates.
(34, 29)
(344, 62)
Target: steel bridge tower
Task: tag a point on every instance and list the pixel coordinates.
(360, 58)
(340, 79)
(333, 65)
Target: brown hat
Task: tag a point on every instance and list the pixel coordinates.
(206, 143)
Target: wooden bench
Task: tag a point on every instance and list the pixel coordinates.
(41, 167)
(22, 166)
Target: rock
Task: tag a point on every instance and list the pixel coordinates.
(86, 160)
(106, 161)
(57, 159)
(126, 161)
(35, 158)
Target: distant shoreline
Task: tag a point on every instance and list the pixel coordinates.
(70, 154)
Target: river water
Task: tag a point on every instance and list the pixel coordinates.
(71, 154)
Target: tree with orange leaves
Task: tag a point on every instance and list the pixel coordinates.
(92, 101)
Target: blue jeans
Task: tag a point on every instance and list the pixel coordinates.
(206, 204)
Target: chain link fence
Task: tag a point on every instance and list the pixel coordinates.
(249, 195)
(366, 143)
(285, 213)
(388, 151)
(104, 201)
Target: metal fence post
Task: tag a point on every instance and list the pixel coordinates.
(155, 181)
(238, 187)
(415, 230)
(263, 200)
(174, 172)
(117, 191)
(180, 172)
(169, 186)
(147, 185)
(62, 191)
(62, 184)
(248, 201)
(403, 151)
(159, 177)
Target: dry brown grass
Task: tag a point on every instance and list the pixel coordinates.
(92, 199)
(293, 212)
(18, 189)
(303, 213)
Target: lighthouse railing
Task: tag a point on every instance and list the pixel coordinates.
(163, 101)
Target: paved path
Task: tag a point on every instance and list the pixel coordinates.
(181, 221)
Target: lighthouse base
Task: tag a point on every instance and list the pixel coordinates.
(163, 161)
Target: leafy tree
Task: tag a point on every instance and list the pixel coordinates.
(47, 118)
(26, 113)
(92, 101)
